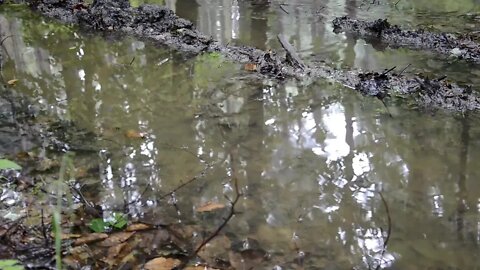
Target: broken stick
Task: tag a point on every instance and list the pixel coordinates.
(292, 55)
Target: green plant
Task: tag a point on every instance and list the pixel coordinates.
(10, 265)
(6, 164)
(57, 212)
(118, 221)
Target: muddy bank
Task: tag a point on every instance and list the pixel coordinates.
(447, 44)
(161, 25)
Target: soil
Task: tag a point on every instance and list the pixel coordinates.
(447, 44)
(161, 25)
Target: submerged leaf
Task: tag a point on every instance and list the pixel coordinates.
(138, 227)
(210, 206)
(133, 134)
(93, 237)
(98, 225)
(119, 221)
(10, 265)
(6, 164)
(162, 264)
(12, 82)
(116, 239)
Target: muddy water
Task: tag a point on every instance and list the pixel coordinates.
(311, 159)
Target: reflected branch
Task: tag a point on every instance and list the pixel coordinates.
(231, 212)
(389, 230)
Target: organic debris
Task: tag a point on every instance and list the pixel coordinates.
(447, 44)
(161, 25)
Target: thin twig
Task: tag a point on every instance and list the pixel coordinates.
(44, 229)
(230, 214)
(182, 185)
(131, 62)
(403, 70)
(396, 3)
(388, 71)
(224, 223)
(282, 8)
(3, 39)
(389, 230)
(386, 107)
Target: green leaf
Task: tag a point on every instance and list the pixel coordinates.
(119, 221)
(10, 265)
(6, 164)
(98, 225)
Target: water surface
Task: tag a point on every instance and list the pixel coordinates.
(313, 160)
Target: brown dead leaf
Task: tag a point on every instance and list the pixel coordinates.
(115, 250)
(133, 134)
(23, 155)
(12, 82)
(115, 239)
(162, 264)
(250, 67)
(113, 254)
(210, 206)
(66, 236)
(138, 227)
(90, 238)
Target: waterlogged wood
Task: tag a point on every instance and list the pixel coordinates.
(162, 264)
(292, 55)
(91, 238)
(210, 206)
(116, 238)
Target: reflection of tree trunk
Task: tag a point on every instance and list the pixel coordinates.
(348, 160)
(187, 9)
(259, 26)
(462, 192)
(351, 10)
(256, 161)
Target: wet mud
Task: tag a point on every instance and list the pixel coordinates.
(447, 44)
(161, 25)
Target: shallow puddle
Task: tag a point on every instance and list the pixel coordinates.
(313, 160)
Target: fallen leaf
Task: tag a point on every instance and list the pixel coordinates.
(133, 134)
(138, 227)
(113, 253)
(115, 239)
(93, 237)
(250, 67)
(12, 82)
(210, 206)
(66, 236)
(162, 264)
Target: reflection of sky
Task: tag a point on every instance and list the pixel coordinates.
(324, 132)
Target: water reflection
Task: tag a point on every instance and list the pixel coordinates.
(311, 159)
